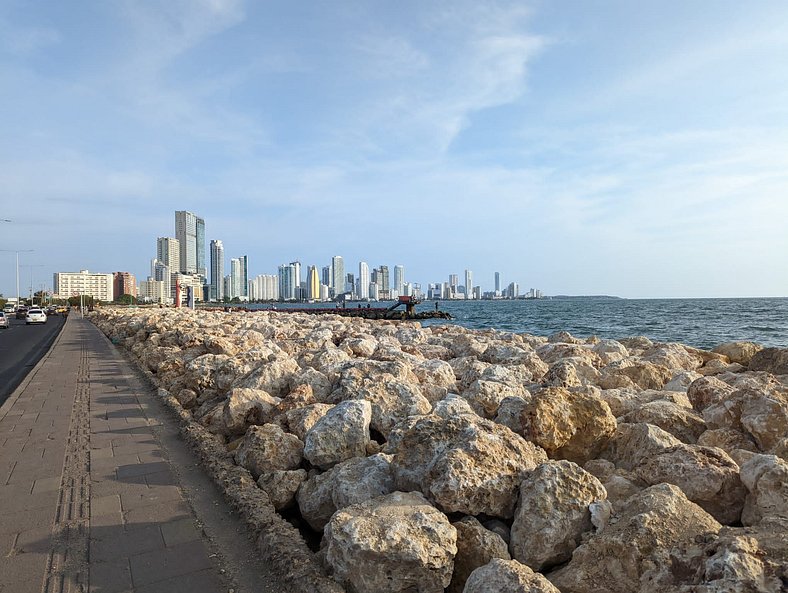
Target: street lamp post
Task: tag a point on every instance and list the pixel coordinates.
(31, 266)
(17, 251)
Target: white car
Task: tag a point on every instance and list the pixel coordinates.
(3, 320)
(35, 316)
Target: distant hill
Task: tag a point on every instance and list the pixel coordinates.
(585, 296)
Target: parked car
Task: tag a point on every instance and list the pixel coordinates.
(3, 320)
(35, 316)
(9, 308)
(21, 312)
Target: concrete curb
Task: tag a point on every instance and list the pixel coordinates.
(280, 544)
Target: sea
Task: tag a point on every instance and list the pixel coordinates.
(702, 323)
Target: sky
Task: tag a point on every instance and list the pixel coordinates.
(637, 149)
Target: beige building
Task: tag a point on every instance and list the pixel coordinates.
(154, 291)
(68, 284)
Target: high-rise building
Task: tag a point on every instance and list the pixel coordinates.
(383, 279)
(338, 274)
(168, 251)
(68, 284)
(190, 232)
(363, 280)
(153, 291)
(468, 284)
(288, 281)
(326, 276)
(235, 278)
(124, 283)
(244, 262)
(350, 283)
(399, 279)
(217, 271)
(513, 291)
(497, 283)
(312, 284)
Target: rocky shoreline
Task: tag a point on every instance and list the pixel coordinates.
(446, 459)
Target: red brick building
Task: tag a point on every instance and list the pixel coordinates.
(124, 283)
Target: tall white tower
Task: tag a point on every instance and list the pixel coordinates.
(217, 271)
(399, 279)
(363, 280)
(468, 284)
(338, 274)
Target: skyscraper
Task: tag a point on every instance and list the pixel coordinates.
(235, 278)
(468, 284)
(190, 232)
(497, 283)
(244, 276)
(217, 271)
(168, 252)
(383, 279)
(312, 283)
(399, 279)
(363, 280)
(338, 274)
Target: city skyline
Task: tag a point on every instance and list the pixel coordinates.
(629, 149)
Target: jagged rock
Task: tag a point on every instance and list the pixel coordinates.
(553, 513)
(186, 397)
(681, 422)
(282, 486)
(764, 417)
(771, 360)
(672, 356)
(300, 420)
(563, 337)
(199, 372)
(727, 439)
(247, 406)
(766, 479)
(644, 374)
(637, 541)
(707, 391)
(362, 347)
(464, 464)
(476, 546)
(315, 499)
(486, 396)
(268, 448)
(706, 475)
(273, 376)
(510, 413)
(360, 479)
(436, 378)
(637, 343)
(453, 405)
(720, 367)
(507, 576)
(633, 443)
(342, 433)
(610, 351)
(392, 401)
(681, 381)
(568, 425)
(320, 383)
(397, 542)
(741, 352)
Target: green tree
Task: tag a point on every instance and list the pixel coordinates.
(126, 299)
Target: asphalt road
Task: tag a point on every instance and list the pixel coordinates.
(21, 347)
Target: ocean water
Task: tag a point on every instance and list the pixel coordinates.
(703, 323)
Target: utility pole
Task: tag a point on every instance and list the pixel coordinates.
(17, 251)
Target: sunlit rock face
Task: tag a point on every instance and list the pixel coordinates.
(441, 458)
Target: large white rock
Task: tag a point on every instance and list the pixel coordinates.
(507, 576)
(248, 406)
(476, 546)
(766, 479)
(342, 433)
(268, 448)
(274, 376)
(398, 542)
(553, 513)
(464, 464)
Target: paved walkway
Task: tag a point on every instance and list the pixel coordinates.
(88, 499)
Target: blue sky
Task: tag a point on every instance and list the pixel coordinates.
(630, 148)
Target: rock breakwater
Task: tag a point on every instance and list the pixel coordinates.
(441, 458)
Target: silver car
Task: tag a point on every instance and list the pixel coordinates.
(35, 316)
(3, 320)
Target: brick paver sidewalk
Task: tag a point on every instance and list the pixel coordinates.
(88, 501)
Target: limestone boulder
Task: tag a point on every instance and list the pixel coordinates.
(643, 374)
(247, 406)
(436, 379)
(282, 486)
(553, 352)
(300, 420)
(741, 352)
(756, 413)
(553, 513)
(199, 373)
(363, 347)
(728, 440)
(567, 425)
(453, 405)
(771, 360)
(510, 413)
(673, 356)
(706, 475)
(501, 353)
(486, 396)
(683, 423)
(398, 542)
(476, 546)
(464, 464)
(361, 479)
(315, 499)
(392, 400)
(638, 541)
(634, 443)
(268, 448)
(610, 351)
(507, 576)
(706, 391)
(274, 376)
(186, 397)
(681, 381)
(766, 479)
(341, 434)
(320, 384)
